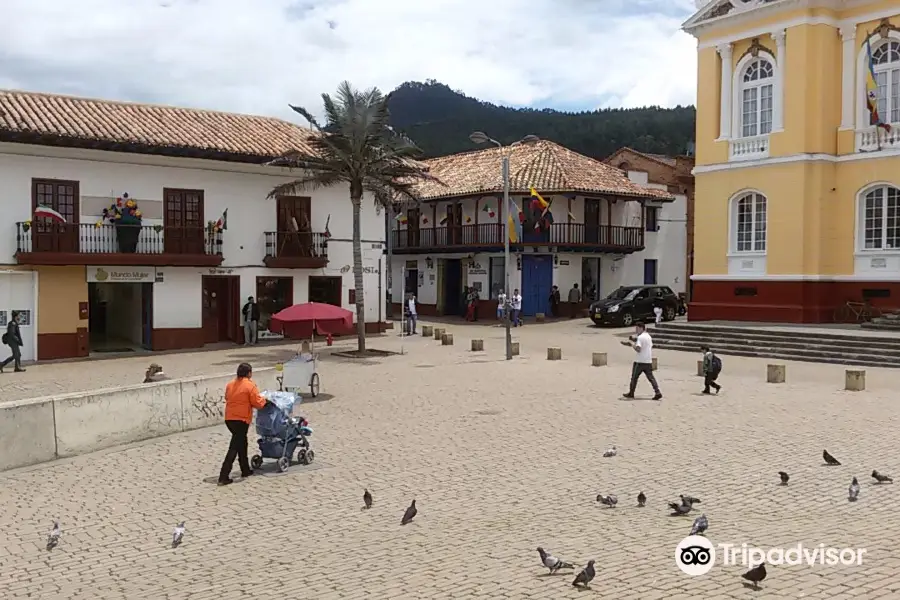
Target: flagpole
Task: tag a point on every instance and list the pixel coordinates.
(506, 311)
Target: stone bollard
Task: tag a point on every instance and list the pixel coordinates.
(598, 359)
(438, 332)
(854, 381)
(554, 353)
(427, 330)
(540, 317)
(654, 366)
(477, 345)
(700, 368)
(447, 339)
(776, 373)
(515, 348)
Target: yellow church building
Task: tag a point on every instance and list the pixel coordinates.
(797, 207)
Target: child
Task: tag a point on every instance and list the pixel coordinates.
(712, 366)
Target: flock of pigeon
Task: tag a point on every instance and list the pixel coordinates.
(701, 524)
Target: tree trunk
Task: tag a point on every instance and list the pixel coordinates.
(358, 277)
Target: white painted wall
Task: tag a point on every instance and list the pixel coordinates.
(18, 291)
(177, 301)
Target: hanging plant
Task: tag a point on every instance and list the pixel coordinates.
(124, 211)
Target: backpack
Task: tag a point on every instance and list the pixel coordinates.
(715, 365)
(5, 339)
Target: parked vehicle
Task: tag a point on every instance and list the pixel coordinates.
(682, 304)
(634, 303)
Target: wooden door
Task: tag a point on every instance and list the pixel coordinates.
(413, 219)
(294, 223)
(183, 222)
(213, 302)
(591, 221)
(63, 197)
(454, 224)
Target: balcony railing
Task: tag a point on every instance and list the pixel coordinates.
(39, 241)
(874, 139)
(749, 148)
(615, 238)
(296, 249)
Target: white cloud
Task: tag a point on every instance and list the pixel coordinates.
(258, 56)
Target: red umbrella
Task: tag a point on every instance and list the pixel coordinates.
(302, 320)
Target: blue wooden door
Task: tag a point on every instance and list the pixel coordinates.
(537, 279)
(650, 271)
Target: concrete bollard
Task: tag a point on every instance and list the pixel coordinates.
(700, 368)
(540, 317)
(438, 332)
(477, 345)
(854, 381)
(515, 348)
(554, 353)
(447, 339)
(776, 373)
(427, 330)
(598, 359)
(654, 366)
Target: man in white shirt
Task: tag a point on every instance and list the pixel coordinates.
(643, 361)
(501, 305)
(411, 314)
(516, 306)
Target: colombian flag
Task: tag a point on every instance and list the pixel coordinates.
(538, 201)
(872, 91)
(402, 218)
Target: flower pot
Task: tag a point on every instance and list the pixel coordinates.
(127, 236)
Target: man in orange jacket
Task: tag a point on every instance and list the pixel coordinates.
(241, 397)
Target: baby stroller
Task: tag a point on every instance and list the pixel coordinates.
(280, 434)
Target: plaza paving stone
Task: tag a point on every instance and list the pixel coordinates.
(501, 457)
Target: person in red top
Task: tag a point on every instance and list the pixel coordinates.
(241, 397)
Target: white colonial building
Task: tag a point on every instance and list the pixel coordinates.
(208, 236)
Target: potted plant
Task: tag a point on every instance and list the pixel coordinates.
(125, 215)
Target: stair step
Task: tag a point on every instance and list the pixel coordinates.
(877, 344)
(774, 333)
(793, 357)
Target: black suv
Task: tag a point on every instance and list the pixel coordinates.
(634, 303)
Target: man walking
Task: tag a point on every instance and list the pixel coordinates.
(658, 307)
(13, 339)
(643, 362)
(712, 366)
(501, 306)
(411, 314)
(554, 301)
(574, 300)
(251, 322)
(516, 307)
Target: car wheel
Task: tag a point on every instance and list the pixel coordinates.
(669, 315)
(627, 319)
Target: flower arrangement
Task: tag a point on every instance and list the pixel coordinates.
(124, 211)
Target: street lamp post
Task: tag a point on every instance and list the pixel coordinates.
(480, 137)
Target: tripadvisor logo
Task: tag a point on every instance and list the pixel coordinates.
(696, 555)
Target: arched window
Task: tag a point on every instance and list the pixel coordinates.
(886, 60)
(756, 94)
(748, 223)
(624, 166)
(880, 219)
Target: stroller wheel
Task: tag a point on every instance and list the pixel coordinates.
(256, 461)
(283, 463)
(314, 385)
(307, 457)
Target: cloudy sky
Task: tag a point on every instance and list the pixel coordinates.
(257, 55)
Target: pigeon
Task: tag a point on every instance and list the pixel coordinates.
(610, 452)
(701, 524)
(881, 478)
(829, 459)
(756, 574)
(586, 576)
(680, 509)
(609, 501)
(784, 477)
(53, 538)
(553, 563)
(853, 492)
(178, 535)
(367, 499)
(410, 514)
(689, 500)
(642, 499)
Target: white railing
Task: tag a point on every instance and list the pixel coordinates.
(875, 139)
(749, 148)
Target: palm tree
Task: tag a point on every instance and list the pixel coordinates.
(356, 147)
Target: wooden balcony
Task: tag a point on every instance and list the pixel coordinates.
(575, 237)
(51, 243)
(296, 250)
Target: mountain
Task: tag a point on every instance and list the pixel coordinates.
(440, 120)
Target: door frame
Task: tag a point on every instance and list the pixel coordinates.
(64, 237)
(232, 303)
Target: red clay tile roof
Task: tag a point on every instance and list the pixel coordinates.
(549, 167)
(660, 158)
(26, 115)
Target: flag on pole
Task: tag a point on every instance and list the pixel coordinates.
(402, 218)
(872, 91)
(538, 201)
(222, 223)
(515, 225)
(571, 217)
(443, 220)
(327, 233)
(48, 213)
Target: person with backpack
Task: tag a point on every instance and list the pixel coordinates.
(13, 339)
(712, 366)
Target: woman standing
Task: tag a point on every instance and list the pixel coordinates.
(241, 397)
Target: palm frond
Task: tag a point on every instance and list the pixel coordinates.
(308, 183)
(306, 115)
